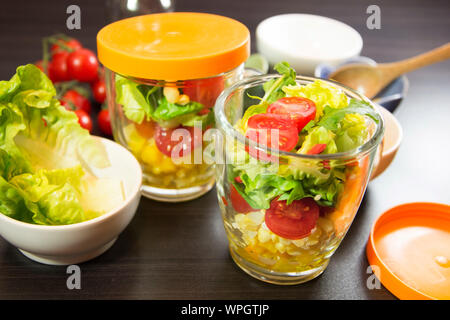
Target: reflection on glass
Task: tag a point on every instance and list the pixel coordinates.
(121, 9)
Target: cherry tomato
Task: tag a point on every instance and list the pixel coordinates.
(299, 109)
(294, 221)
(185, 143)
(204, 91)
(79, 101)
(57, 68)
(146, 129)
(238, 202)
(317, 148)
(260, 130)
(84, 120)
(82, 65)
(71, 43)
(99, 91)
(104, 122)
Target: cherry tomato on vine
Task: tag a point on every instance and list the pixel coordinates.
(57, 68)
(294, 221)
(82, 65)
(300, 110)
(84, 119)
(104, 122)
(80, 102)
(99, 91)
(71, 43)
(39, 65)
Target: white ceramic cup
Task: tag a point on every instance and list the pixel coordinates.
(306, 40)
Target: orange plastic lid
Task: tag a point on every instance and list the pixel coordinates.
(409, 250)
(173, 46)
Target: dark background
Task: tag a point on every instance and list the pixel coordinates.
(179, 251)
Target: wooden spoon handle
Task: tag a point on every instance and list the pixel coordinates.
(395, 69)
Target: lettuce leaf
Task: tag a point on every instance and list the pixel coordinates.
(333, 117)
(53, 197)
(191, 119)
(167, 110)
(319, 135)
(352, 132)
(141, 102)
(134, 103)
(274, 88)
(43, 152)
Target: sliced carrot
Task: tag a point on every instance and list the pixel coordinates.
(351, 197)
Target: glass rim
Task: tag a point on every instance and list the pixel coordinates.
(180, 83)
(362, 150)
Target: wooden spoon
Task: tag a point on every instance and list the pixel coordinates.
(369, 80)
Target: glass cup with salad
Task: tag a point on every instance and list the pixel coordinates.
(292, 170)
(163, 74)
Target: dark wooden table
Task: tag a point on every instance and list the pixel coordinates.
(179, 251)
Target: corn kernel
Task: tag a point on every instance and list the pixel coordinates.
(183, 99)
(171, 94)
(151, 155)
(167, 165)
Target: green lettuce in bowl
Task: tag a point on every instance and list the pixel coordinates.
(45, 156)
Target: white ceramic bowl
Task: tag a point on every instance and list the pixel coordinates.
(76, 243)
(306, 40)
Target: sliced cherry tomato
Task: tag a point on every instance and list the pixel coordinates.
(260, 127)
(57, 68)
(224, 200)
(84, 120)
(99, 91)
(317, 148)
(238, 202)
(83, 65)
(185, 143)
(146, 129)
(77, 100)
(204, 91)
(71, 44)
(104, 122)
(294, 221)
(301, 110)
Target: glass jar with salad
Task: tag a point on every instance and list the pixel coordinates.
(163, 74)
(292, 171)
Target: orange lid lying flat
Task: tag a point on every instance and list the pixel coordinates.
(173, 46)
(410, 245)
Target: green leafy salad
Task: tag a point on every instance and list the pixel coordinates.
(44, 154)
(149, 103)
(316, 118)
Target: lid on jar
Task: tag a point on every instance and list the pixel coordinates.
(408, 250)
(173, 46)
